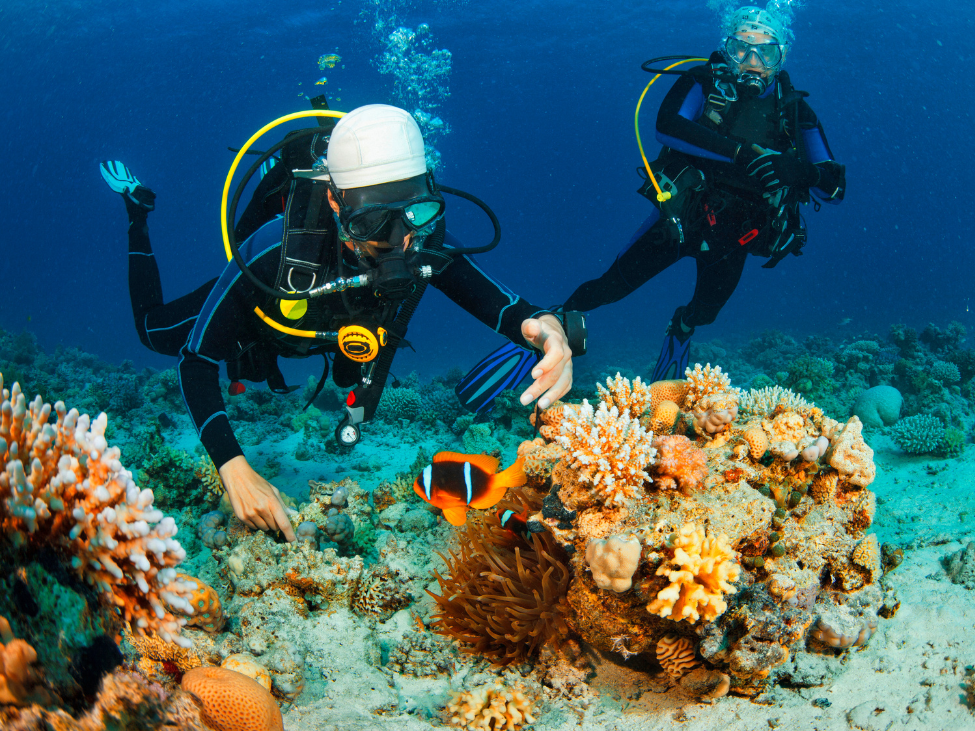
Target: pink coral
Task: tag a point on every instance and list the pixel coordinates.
(679, 463)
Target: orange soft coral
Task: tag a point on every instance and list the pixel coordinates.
(679, 463)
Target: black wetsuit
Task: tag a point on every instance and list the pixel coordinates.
(728, 218)
(216, 322)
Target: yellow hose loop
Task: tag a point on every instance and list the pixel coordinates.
(243, 151)
(661, 196)
(226, 195)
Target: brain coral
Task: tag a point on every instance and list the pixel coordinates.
(879, 406)
(701, 569)
(230, 701)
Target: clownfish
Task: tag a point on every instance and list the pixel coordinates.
(456, 482)
(517, 523)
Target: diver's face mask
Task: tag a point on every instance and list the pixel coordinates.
(388, 213)
(758, 58)
(384, 222)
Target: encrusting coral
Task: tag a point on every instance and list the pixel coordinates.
(503, 596)
(63, 487)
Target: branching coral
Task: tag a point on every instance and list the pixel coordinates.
(701, 569)
(705, 381)
(75, 496)
(610, 450)
(503, 597)
(494, 708)
(765, 401)
(632, 399)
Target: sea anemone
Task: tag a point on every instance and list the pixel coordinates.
(504, 595)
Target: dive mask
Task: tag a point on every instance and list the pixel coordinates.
(740, 51)
(369, 213)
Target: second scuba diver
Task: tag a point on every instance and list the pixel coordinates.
(742, 150)
(367, 218)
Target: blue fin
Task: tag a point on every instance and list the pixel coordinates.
(505, 368)
(673, 359)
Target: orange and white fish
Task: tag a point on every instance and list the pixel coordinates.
(456, 482)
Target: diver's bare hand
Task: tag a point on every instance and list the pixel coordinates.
(553, 374)
(256, 501)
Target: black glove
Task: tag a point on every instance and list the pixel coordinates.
(776, 171)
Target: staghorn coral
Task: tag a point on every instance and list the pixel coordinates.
(502, 597)
(230, 701)
(631, 399)
(919, 434)
(611, 450)
(493, 708)
(705, 381)
(701, 569)
(679, 464)
(78, 499)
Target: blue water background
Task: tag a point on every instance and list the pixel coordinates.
(542, 103)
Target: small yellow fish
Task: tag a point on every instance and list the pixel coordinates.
(328, 60)
(321, 82)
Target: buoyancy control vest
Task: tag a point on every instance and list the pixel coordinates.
(702, 189)
(311, 254)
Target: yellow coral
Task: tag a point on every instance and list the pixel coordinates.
(494, 708)
(867, 556)
(609, 449)
(704, 381)
(664, 417)
(207, 610)
(787, 427)
(661, 391)
(701, 569)
(758, 442)
(63, 486)
(540, 459)
(631, 399)
(206, 472)
(151, 647)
